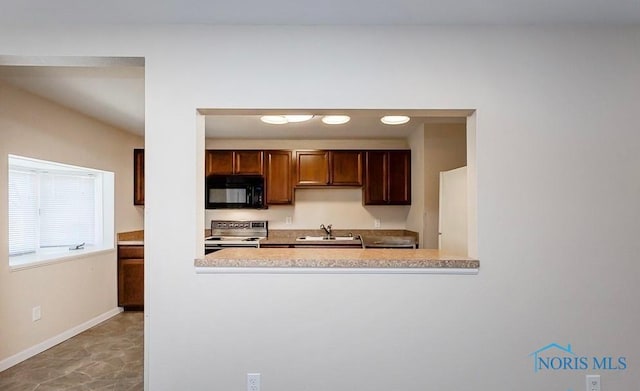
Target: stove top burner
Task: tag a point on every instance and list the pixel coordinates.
(234, 238)
(227, 233)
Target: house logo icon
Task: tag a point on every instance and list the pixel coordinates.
(555, 356)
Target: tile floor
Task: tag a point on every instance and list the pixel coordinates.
(108, 356)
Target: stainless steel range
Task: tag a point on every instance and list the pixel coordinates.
(231, 233)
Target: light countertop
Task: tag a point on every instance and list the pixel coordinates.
(130, 242)
(353, 260)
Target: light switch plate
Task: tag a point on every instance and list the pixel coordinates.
(36, 313)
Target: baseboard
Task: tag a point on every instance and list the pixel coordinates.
(53, 341)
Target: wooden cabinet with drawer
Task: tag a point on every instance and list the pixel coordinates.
(131, 277)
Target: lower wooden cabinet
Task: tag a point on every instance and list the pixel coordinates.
(131, 277)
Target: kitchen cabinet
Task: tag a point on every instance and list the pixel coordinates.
(226, 162)
(387, 177)
(312, 168)
(345, 168)
(329, 168)
(131, 277)
(138, 176)
(278, 177)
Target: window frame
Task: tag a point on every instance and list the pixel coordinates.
(104, 212)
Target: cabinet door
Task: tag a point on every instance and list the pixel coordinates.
(131, 283)
(218, 162)
(248, 163)
(278, 178)
(138, 176)
(346, 168)
(375, 185)
(399, 178)
(312, 168)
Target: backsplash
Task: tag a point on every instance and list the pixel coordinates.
(340, 207)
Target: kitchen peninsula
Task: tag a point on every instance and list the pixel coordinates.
(347, 261)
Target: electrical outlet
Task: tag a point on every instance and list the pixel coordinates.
(36, 313)
(376, 223)
(593, 383)
(287, 220)
(253, 382)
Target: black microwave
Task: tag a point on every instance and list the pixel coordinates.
(234, 192)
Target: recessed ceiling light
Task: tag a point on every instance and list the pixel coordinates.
(274, 119)
(336, 119)
(285, 119)
(298, 117)
(395, 119)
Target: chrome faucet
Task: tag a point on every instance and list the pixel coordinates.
(327, 230)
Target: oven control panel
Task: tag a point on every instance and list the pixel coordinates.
(225, 224)
(239, 228)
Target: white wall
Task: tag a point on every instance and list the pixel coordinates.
(72, 292)
(557, 206)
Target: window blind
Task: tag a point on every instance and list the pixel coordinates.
(23, 212)
(67, 215)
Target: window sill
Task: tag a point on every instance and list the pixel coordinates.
(53, 256)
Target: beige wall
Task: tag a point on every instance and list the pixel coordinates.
(444, 149)
(70, 293)
(415, 218)
(341, 207)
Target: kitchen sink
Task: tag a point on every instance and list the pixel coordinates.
(321, 238)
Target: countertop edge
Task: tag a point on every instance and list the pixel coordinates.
(335, 270)
(305, 261)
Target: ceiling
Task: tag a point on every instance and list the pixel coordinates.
(113, 94)
(327, 12)
(120, 100)
(363, 124)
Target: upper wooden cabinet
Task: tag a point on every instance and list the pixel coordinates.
(248, 163)
(278, 177)
(138, 176)
(223, 162)
(345, 168)
(328, 168)
(312, 168)
(387, 178)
